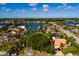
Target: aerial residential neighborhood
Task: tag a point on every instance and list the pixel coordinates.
(39, 37)
(39, 29)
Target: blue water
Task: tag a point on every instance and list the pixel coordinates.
(34, 26)
(71, 23)
(4, 24)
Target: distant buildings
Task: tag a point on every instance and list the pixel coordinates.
(13, 30)
(21, 26)
(50, 30)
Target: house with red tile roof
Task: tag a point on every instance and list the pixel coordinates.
(58, 42)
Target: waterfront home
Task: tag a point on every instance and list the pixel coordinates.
(22, 27)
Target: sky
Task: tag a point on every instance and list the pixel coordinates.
(39, 10)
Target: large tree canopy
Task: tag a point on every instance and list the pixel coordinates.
(40, 41)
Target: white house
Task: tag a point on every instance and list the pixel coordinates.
(22, 27)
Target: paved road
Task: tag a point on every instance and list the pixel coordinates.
(59, 53)
(68, 33)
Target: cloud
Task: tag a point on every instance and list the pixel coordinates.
(68, 7)
(45, 9)
(65, 6)
(20, 11)
(8, 9)
(34, 9)
(45, 6)
(32, 4)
